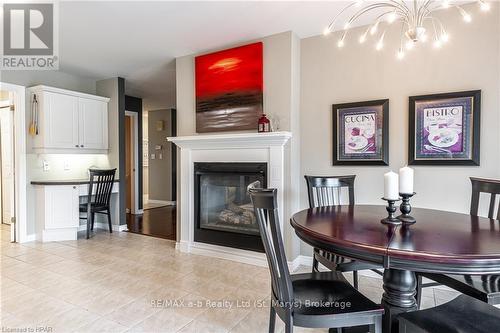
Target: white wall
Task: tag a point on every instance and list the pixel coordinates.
(57, 79)
(471, 60)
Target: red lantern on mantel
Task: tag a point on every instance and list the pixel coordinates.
(264, 125)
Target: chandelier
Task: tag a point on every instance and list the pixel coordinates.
(417, 19)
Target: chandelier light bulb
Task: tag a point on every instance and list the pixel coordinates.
(326, 31)
(484, 6)
(374, 28)
(380, 43)
(437, 44)
(391, 17)
(445, 37)
(400, 54)
(347, 25)
(446, 4)
(362, 38)
(340, 43)
(466, 16)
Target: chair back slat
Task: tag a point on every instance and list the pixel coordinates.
(266, 212)
(327, 191)
(101, 186)
(483, 185)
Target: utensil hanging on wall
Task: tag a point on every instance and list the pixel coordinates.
(33, 128)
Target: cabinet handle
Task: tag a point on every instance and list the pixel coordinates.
(81, 146)
(76, 146)
(74, 187)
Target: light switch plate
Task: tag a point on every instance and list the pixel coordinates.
(46, 166)
(153, 156)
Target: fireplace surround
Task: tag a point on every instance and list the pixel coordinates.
(223, 210)
(264, 148)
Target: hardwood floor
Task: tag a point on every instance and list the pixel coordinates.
(157, 222)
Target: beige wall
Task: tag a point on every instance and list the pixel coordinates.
(281, 57)
(160, 169)
(357, 72)
(57, 79)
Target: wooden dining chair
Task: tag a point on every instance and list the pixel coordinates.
(313, 300)
(485, 288)
(327, 191)
(100, 187)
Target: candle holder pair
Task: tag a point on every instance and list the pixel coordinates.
(405, 208)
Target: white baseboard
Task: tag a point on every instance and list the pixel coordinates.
(222, 252)
(28, 238)
(102, 225)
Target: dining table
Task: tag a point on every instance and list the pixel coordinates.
(438, 242)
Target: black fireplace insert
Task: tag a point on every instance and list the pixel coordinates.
(223, 210)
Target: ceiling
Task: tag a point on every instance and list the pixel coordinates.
(140, 40)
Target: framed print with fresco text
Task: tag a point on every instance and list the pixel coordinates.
(361, 133)
(444, 129)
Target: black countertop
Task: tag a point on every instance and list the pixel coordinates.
(63, 182)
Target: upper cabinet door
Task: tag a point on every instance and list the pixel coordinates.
(93, 128)
(61, 117)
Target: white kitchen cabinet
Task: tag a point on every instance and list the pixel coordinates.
(57, 212)
(93, 124)
(68, 121)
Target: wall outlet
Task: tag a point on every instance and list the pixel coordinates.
(66, 165)
(46, 166)
(153, 156)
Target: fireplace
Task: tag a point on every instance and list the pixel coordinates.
(223, 210)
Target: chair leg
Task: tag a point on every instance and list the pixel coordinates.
(89, 223)
(272, 320)
(355, 279)
(109, 222)
(315, 265)
(419, 291)
(93, 219)
(288, 323)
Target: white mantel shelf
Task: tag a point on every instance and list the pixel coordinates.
(239, 140)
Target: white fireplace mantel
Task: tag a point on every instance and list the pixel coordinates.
(239, 140)
(234, 147)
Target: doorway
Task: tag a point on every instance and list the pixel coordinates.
(159, 167)
(7, 185)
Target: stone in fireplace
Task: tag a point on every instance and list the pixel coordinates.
(223, 210)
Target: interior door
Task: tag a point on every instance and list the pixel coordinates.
(93, 118)
(62, 120)
(7, 164)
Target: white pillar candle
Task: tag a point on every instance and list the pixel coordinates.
(391, 186)
(406, 180)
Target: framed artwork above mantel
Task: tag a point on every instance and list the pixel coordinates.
(444, 129)
(361, 133)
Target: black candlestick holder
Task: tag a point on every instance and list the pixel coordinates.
(391, 209)
(405, 209)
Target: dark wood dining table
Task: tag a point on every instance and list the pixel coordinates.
(439, 242)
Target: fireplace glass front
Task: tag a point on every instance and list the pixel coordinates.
(223, 208)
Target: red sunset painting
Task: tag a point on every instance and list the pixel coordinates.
(229, 89)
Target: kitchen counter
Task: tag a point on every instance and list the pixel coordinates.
(63, 182)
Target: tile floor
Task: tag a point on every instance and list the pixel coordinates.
(118, 283)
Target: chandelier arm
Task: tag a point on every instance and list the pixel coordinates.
(364, 10)
(332, 23)
(440, 24)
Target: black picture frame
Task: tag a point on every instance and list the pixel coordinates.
(381, 154)
(468, 131)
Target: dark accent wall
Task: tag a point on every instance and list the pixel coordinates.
(134, 104)
(121, 148)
